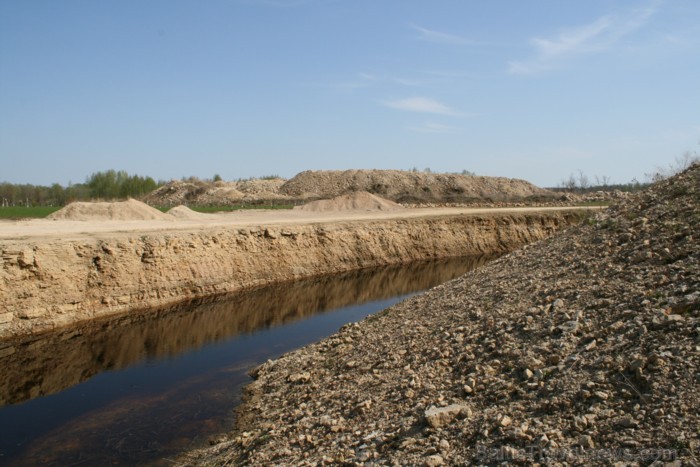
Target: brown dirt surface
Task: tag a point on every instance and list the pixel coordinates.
(356, 201)
(581, 349)
(130, 210)
(403, 186)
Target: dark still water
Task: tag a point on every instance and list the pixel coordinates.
(139, 389)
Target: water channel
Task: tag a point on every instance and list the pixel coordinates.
(141, 388)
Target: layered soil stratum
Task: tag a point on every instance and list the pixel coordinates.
(61, 271)
(581, 349)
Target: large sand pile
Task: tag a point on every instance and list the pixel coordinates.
(357, 201)
(396, 185)
(183, 212)
(130, 210)
(402, 186)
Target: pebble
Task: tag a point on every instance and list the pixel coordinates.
(586, 441)
(434, 460)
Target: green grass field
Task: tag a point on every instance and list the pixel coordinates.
(23, 212)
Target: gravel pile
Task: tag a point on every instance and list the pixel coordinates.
(581, 349)
(219, 193)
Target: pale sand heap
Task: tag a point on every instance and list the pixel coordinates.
(130, 210)
(183, 212)
(396, 185)
(356, 201)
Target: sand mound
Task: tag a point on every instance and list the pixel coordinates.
(183, 212)
(395, 185)
(130, 210)
(357, 201)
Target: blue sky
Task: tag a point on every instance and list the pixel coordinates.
(534, 90)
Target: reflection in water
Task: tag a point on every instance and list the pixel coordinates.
(181, 367)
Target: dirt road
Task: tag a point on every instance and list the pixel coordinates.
(38, 230)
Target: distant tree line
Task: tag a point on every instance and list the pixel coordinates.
(107, 185)
(581, 183)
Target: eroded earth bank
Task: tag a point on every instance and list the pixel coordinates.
(58, 279)
(580, 349)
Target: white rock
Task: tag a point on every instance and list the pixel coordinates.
(435, 460)
(440, 416)
(299, 377)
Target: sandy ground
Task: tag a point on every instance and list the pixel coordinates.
(38, 230)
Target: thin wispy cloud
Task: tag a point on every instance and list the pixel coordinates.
(283, 3)
(341, 86)
(596, 37)
(421, 104)
(430, 35)
(372, 78)
(431, 127)
(367, 80)
(449, 74)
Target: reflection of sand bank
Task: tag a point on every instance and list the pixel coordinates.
(46, 364)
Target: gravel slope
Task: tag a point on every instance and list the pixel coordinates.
(580, 349)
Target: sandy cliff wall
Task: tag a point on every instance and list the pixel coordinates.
(44, 285)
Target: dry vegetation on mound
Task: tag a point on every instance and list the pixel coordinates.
(581, 349)
(219, 193)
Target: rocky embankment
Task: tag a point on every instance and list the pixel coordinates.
(49, 283)
(581, 349)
